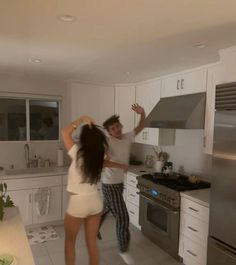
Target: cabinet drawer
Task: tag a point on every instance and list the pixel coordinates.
(193, 252)
(131, 195)
(132, 180)
(194, 228)
(195, 209)
(133, 211)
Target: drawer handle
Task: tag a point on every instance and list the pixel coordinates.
(132, 181)
(191, 253)
(196, 211)
(194, 230)
(131, 212)
(132, 195)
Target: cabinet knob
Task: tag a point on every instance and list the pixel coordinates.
(178, 81)
(182, 83)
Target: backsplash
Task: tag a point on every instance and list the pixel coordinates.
(187, 153)
(13, 153)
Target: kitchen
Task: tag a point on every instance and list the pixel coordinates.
(100, 94)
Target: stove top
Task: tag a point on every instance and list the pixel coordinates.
(175, 182)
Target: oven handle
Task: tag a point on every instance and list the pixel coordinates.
(163, 206)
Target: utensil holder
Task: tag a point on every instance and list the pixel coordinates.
(158, 166)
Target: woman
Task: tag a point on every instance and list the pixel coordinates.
(85, 204)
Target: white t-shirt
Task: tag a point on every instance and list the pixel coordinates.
(118, 151)
(75, 177)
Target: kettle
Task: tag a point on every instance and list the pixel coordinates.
(167, 168)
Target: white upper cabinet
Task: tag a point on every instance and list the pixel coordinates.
(124, 98)
(183, 84)
(94, 100)
(210, 109)
(147, 96)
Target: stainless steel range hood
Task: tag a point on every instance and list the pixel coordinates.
(181, 112)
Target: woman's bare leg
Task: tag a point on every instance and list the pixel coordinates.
(72, 226)
(91, 224)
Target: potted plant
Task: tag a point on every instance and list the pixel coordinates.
(5, 200)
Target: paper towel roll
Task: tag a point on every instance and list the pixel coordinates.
(60, 158)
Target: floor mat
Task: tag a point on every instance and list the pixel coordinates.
(41, 234)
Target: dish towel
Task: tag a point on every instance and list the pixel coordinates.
(42, 199)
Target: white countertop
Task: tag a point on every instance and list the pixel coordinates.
(200, 196)
(140, 170)
(13, 239)
(32, 172)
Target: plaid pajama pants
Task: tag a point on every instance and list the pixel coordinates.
(114, 203)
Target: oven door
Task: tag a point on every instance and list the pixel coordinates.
(160, 223)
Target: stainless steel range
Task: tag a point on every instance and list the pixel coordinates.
(159, 214)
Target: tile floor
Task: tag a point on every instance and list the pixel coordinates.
(143, 251)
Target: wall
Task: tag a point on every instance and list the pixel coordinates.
(96, 101)
(187, 153)
(13, 152)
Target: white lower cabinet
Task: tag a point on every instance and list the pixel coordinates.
(23, 200)
(132, 199)
(24, 193)
(194, 222)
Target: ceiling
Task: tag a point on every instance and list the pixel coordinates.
(113, 41)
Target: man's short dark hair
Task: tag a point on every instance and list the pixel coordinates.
(110, 121)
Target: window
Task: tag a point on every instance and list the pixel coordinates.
(12, 120)
(40, 116)
(43, 120)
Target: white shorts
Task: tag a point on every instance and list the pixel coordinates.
(83, 206)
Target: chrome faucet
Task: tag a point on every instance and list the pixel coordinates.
(27, 151)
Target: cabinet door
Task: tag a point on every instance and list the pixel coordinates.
(124, 98)
(171, 86)
(193, 82)
(23, 200)
(55, 206)
(210, 110)
(141, 97)
(133, 211)
(147, 95)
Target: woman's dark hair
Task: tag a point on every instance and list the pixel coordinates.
(110, 121)
(91, 152)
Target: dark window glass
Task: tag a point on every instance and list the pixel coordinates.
(12, 119)
(44, 120)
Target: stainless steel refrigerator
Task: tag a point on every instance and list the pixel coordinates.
(222, 225)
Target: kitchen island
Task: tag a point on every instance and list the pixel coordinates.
(13, 239)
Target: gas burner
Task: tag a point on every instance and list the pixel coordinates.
(175, 181)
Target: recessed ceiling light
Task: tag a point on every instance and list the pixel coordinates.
(127, 73)
(200, 46)
(66, 18)
(35, 60)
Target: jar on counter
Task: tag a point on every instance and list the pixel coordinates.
(149, 161)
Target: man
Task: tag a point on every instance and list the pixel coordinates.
(113, 177)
